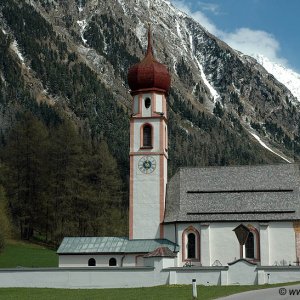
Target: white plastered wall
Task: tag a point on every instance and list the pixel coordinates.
(129, 260)
(165, 179)
(282, 243)
(146, 201)
(242, 273)
(159, 103)
(224, 243)
(169, 232)
(136, 104)
(146, 187)
(218, 242)
(264, 232)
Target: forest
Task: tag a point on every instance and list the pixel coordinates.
(58, 185)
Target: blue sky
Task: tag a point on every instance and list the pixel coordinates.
(268, 27)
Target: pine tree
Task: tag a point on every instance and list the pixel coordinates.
(25, 155)
(106, 211)
(5, 226)
(65, 163)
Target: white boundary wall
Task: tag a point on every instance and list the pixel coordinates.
(70, 278)
(160, 273)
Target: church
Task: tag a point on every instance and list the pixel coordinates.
(201, 217)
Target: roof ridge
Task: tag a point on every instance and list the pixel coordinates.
(239, 166)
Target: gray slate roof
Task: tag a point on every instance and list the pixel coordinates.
(236, 193)
(88, 245)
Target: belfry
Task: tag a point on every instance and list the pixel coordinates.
(149, 82)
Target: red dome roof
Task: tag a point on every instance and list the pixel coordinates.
(149, 74)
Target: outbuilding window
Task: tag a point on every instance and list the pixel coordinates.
(92, 262)
(112, 262)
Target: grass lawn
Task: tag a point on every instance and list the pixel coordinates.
(17, 253)
(175, 292)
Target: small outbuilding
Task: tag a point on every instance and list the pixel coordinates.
(109, 251)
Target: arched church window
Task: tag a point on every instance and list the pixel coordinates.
(92, 262)
(191, 246)
(147, 136)
(112, 262)
(249, 246)
(147, 102)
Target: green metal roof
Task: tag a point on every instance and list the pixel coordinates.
(80, 245)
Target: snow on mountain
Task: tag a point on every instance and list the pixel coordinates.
(267, 147)
(15, 48)
(284, 75)
(212, 90)
(82, 24)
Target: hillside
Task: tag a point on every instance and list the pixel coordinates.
(63, 68)
(19, 254)
(101, 41)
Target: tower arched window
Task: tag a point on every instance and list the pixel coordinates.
(147, 136)
(92, 262)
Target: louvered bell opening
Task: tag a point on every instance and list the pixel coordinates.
(147, 136)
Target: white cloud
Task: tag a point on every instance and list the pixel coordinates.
(198, 16)
(214, 8)
(249, 41)
(254, 42)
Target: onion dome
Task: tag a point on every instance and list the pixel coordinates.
(149, 74)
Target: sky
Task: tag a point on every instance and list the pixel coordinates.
(267, 27)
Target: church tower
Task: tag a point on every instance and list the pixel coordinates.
(149, 82)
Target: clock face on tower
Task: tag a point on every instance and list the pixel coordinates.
(147, 164)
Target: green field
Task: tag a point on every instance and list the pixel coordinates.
(174, 292)
(22, 254)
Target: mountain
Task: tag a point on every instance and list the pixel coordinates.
(285, 75)
(73, 56)
(65, 107)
